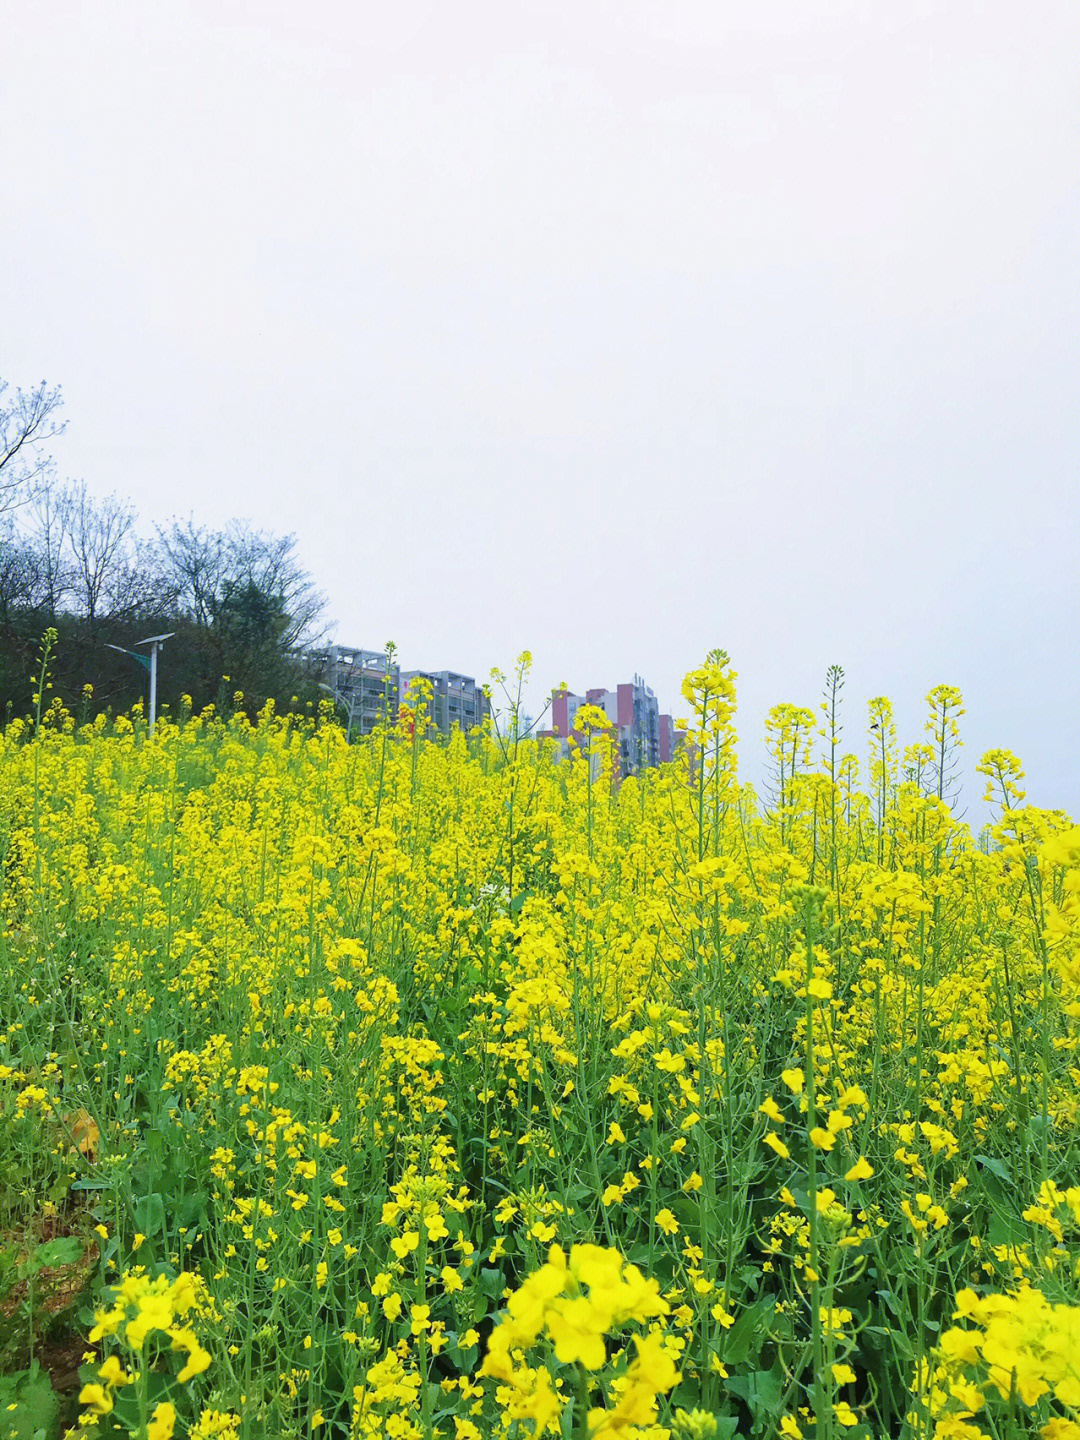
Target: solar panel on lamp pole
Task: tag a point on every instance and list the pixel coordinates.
(149, 664)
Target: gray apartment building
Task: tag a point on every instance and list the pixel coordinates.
(365, 685)
(363, 682)
(456, 700)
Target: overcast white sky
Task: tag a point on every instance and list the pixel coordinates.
(611, 330)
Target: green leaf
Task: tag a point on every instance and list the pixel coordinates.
(763, 1391)
(29, 1409)
(150, 1214)
(67, 1250)
(739, 1343)
(750, 1276)
(1005, 1229)
(159, 1387)
(492, 1282)
(996, 1167)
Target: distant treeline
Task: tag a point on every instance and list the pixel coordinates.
(238, 599)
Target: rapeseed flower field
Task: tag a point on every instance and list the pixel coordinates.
(418, 1088)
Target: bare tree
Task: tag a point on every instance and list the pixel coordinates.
(27, 422)
(270, 563)
(249, 601)
(50, 511)
(138, 585)
(194, 558)
(19, 576)
(97, 536)
(208, 567)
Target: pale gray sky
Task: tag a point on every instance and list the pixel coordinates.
(615, 331)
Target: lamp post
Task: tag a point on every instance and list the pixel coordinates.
(149, 664)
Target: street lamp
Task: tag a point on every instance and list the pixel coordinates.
(340, 700)
(150, 664)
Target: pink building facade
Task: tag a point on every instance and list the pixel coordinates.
(645, 737)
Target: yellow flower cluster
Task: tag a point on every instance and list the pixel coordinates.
(382, 1022)
(576, 1303)
(1061, 851)
(142, 1306)
(141, 1309)
(1018, 1345)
